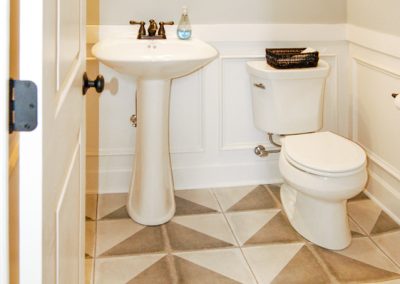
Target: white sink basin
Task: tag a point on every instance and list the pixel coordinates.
(154, 59)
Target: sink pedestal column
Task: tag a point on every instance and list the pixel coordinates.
(151, 195)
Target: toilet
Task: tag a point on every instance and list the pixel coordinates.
(320, 170)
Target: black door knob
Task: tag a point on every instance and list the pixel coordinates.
(98, 84)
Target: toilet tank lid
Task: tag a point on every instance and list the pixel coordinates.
(324, 152)
(262, 70)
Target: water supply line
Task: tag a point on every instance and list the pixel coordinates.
(133, 118)
(262, 152)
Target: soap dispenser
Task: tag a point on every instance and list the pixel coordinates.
(184, 30)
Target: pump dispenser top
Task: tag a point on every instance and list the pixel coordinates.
(184, 30)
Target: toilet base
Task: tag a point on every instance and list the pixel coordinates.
(321, 222)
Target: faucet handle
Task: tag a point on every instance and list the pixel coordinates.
(161, 30)
(142, 30)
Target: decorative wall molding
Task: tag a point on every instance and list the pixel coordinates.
(375, 76)
(224, 160)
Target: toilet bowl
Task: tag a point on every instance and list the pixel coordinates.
(321, 171)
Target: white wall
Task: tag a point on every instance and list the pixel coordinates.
(118, 12)
(212, 132)
(382, 16)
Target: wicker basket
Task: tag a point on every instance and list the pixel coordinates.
(286, 58)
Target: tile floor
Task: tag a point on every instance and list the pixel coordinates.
(234, 235)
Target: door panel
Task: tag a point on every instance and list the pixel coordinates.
(52, 173)
(67, 220)
(4, 77)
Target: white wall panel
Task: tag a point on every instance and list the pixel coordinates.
(211, 125)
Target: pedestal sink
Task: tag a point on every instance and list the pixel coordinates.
(153, 63)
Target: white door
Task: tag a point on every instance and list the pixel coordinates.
(52, 180)
(4, 78)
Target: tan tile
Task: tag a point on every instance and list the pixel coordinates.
(384, 224)
(365, 213)
(120, 270)
(214, 225)
(108, 203)
(158, 273)
(259, 198)
(186, 207)
(227, 262)
(121, 213)
(189, 272)
(147, 240)
(113, 232)
(390, 244)
(227, 197)
(358, 197)
(182, 238)
(204, 197)
(89, 265)
(277, 230)
(361, 262)
(90, 238)
(91, 206)
(246, 224)
(302, 268)
(268, 261)
(348, 270)
(276, 191)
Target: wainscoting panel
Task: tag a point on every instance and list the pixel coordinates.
(377, 122)
(211, 121)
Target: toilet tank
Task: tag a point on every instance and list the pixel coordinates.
(287, 101)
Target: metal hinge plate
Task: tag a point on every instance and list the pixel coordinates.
(23, 106)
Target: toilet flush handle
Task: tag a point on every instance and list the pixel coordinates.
(259, 85)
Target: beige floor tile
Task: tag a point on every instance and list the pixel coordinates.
(365, 213)
(89, 267)
(91, 206)
(109, 203)
(227, 197)
(285, 263)
(213, 225)
(246, 224)
(390, 244)
(121, 270)
(203, 197)
(227, 262)
(112, 232)
(90, 238)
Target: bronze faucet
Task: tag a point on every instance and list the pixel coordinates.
(152, 30)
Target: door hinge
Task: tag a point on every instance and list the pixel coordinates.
(23, 106)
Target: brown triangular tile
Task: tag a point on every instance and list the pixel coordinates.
(186, 207)
(158, 273)
(360, 196)
(276, 230)
(302, 268)
(276, 190)
(384, 224)
(120, 213)
(183, 238)
(147, 240)
(346, 269)
(258, 198)
(189, 272)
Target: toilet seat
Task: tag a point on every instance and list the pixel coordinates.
(324, 154)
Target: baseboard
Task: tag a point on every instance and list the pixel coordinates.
(384, 186)
(214, 176)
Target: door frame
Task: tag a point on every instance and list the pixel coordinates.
(4, 89)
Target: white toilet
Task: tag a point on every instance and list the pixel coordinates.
(321, 170)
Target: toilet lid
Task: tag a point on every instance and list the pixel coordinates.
(324, 153)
